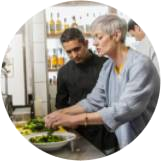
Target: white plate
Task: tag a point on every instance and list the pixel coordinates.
(53, 145)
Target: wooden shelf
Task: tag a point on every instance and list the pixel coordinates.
(57, 35)
(54, 35)
(53, 70)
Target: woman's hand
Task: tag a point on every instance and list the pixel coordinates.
(58, 118)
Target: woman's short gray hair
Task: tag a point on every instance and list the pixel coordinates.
(110, 24)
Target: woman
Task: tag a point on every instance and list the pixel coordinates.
(127, 90)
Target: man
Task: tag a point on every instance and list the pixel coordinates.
(144, 46)
(76, 79)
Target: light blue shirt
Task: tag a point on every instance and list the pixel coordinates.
(126, 101)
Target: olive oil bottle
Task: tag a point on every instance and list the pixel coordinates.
(66, 25)
(74, 23)
(51, 25)
(58, 24)
(54, 60)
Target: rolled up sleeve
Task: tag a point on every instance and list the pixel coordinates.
(97, 98)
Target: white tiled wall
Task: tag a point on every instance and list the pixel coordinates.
(44, 110)
(39, 56)
(15, 78)
(38, 49)
(29, 56)
(40, 91)
(38, 32)
(40, 72)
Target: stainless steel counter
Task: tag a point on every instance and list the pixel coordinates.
(79, 149)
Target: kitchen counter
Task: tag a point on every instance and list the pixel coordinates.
(79, 149)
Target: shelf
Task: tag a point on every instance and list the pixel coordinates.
(53, 70)
(57, 35)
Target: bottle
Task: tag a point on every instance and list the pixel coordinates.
(87, 26)
(81, 24)
(54, 59)
(58, 24)
(66, 25)
(50, 81)
(94, 17)
(74, 23)
(54, 80)
(51, 25)
(38, 107)
(49, 62)
(60, 58)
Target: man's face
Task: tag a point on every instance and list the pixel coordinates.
(135, 32)
(76, 50)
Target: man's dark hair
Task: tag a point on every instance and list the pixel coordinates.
(72, 34)
(131, 25)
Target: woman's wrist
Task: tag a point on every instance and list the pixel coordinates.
(80, 119)
(86, 120)
(64, 111)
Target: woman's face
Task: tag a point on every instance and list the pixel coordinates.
(104, 43)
